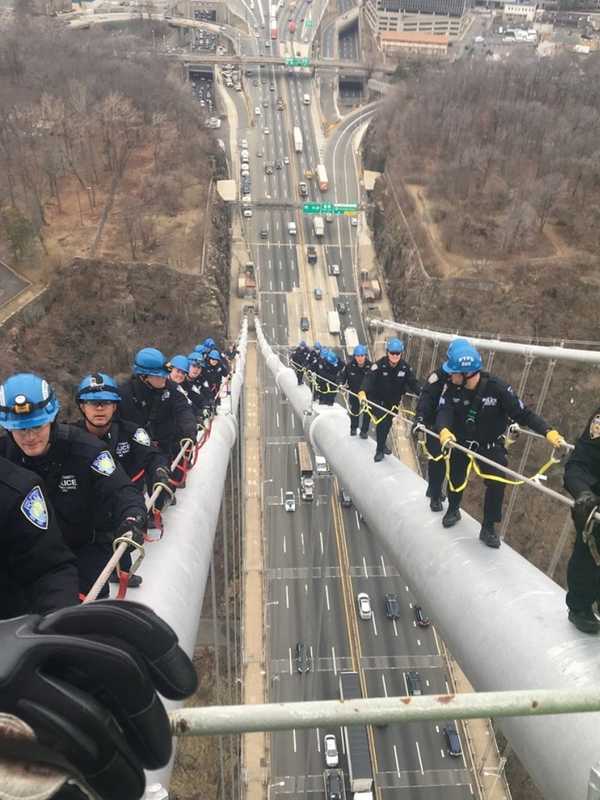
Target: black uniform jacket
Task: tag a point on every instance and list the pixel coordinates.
(91, 494)
(329, 376)
(427, 404)
(386, 384)
(489, 407)
(354, 375)
(582, 470)
(214, 375)
(166, 414)
(37, 569)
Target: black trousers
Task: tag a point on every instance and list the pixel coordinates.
(583, 576)
(91, 560)
(299, 375)
(355, 417)
(494, 490)
(326, 398)
(436, 470)
(383, 428)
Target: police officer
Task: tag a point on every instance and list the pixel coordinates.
(84, 682)
(216, 369)
(474, 409)
(38, 572)
(582, 481)
(353, 376)
(198, 388)
(329, 373)
(425, 414)
(298, 359)
(385, 383)
(93, 498)
(155, 405)
(313, 361)
(130, 446)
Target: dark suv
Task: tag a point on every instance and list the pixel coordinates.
(452, 740)
(334, 786)
(303, 661)
(413, 682)
(311, 254)
(392, 606)
(421, 618)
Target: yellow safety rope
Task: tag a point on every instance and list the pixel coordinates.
(473, 465)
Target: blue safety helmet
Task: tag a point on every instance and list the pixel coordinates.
(456, 343)
(394, 345)
(180, 362)
(98, 386)
(331, 358)
(196, 358)
(209, 343)
(214, 354)
(360, 350)
(27, 401)
(150, 361)
(201, 348)
(317, 346)
(464, 359)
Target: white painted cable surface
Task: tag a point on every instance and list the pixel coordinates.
(496, 345)
(504, 621)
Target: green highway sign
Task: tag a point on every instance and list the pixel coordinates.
(309, 23)
(346, 209)
(311, 208)
(327, 208)
(297, 62)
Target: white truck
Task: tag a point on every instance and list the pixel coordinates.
(322, 177)
(298, 141)
(350, 340)
(305, 467)
(318, 225)
(333, 322)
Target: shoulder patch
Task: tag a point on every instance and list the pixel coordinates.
(34, 508)
(104, 464)
(374, 368)
(595, 427)
(433, 378)
(141, 437)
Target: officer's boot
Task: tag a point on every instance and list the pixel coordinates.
(352, 431)
(435, 504)
(364, 434)
(379, 454)
(584, 621)
(488, 535)
(451, 517)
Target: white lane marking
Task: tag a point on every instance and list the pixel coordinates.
(426, 682)
(306, 588)
(395, 627)
(406, 587)
(320, 532)
(447, 687)
(397, 762)
(272, 309)
(442, 752)
(312, 655)
(271, 285)
(290, 655)
(294, 421)
(419, 642)
(357, 519)
(281, 494)
(277, 419)
(318, 740)
(284, 545)
(365, 567)
(327, 597)
(471, 788)
(287, 596)
(294, 738)
(383, 567)
(374, 623)
(385, 692)
(420, 759)
(405, 683)
(334, 666)
(302, 543)
(437, 728)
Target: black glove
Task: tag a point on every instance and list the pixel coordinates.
(416, 429)
(85, 680)
(163, 475)
(137, 524)
(584, 505)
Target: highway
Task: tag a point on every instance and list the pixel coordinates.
(320, 556)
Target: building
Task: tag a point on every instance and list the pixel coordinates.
(436, 17)
(422, 45)
(519, 12)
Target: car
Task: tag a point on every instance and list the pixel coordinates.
(247, 212)
(341, 306)
(354, 222)
(265, 103)
(286, 160)
(289, 501)
(332, 758)
(413, 683)
(364, 605)
(392, 606)
(335, 787)
(303, 660)
(266, 131)
(278, 165)
(311, 254)
(318, 293)
(267, 44)
(328, 217)
(452, 740)
(268, 169)
(291, 227)
(245, 172)
(309, 174)
(244, 155)
(302, 189)
(334, 269)
(244, 144)
(272, 87)
(304, 324)
(421, 618)
(345, 498)
(259, 153)
(257, 111)
(246, 198)
(264, 233)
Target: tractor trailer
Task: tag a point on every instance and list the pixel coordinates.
(351, 340)
(297, 139)
(305, 466)
(356, 743)
(322, 178)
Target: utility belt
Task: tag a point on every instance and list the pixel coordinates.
(482, 447)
